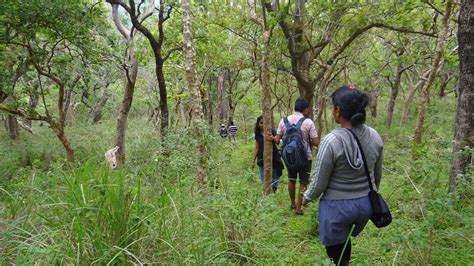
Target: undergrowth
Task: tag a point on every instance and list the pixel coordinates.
(151, 211)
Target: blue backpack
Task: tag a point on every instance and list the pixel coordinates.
(293, 150)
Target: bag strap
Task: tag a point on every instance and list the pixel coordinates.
(363, 159)
(287, 123)
(300, 122)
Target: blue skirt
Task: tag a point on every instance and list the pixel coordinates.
(336, 218)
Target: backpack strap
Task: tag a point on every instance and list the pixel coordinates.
(287, 123)
(300, 122)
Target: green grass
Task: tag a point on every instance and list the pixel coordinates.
(150, 211)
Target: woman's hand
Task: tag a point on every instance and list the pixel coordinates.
(269, 137)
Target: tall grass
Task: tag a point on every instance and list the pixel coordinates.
(150, 211)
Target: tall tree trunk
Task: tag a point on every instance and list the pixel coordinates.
(131, 71)
(191, 77)
(394, 94)
(266, 96)
(137, 17)
(129, 88)
(464, 131)
(266, 100)
(436, 66)
(163, 96)
(222, 101)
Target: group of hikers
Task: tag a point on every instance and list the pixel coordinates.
(339, 178)
(229, 132)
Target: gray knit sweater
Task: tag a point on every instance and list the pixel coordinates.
(339, 172)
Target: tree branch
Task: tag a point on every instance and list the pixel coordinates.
(24, 114)
(115, 16)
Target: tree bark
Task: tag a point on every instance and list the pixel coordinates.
(129, 88)
(407, 103)
(266, 96)
(222, 101)
(394, 94)
(436, 66)
(59, 130)
(12, 127)
(131, 70)
(373, 97)
(464, 130)
(11, 122)
(191, 77)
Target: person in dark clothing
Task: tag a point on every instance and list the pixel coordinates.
(223, 131)
(258, 155)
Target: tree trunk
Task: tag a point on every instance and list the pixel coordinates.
(163, 96)
(59, 130)
(32, 106)
(445, 78)
(191, 77)
(11, 123)
(207, 105)
(394, 94)
(266, 100)
(266, 96)
(407, 103)
(464, 131)
(97, 115)
(322, 99)
(373, 96)
(222, 101)
(436, 66)
(12, 127)
(129, 88)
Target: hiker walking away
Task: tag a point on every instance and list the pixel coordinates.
(277, 164)
(340, 175)
(298, 134)
(223, 131)
(232, 128)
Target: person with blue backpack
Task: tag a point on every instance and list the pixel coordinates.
(298, 134)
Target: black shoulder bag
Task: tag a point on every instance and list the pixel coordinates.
(381, 215)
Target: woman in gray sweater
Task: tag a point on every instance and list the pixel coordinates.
(339, 177)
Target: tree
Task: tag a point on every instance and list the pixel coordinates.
(312, 50)
(138, 18)
(130, 70)
(464, 130)
(54, 37)
(437, 61)
(193, 85)
(266, 96)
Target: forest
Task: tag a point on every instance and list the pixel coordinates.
(110, 117)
